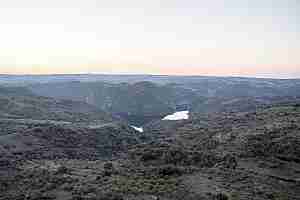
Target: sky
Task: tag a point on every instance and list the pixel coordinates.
(183, 37)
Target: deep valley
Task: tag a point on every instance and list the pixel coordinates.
(71, 137)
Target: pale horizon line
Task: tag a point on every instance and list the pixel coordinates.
(148, 74)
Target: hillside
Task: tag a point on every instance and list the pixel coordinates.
(204, 85)
(216, 156)
(139, 103)
(238, 104)
(18, 103)
(232, 147)
(20, 109)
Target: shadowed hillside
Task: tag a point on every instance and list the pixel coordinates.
(21, 103)
(138, 103)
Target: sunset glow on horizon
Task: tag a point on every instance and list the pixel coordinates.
(258, 38)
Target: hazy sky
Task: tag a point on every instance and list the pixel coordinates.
(204, 37)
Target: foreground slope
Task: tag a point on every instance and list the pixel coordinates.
(248, 155)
